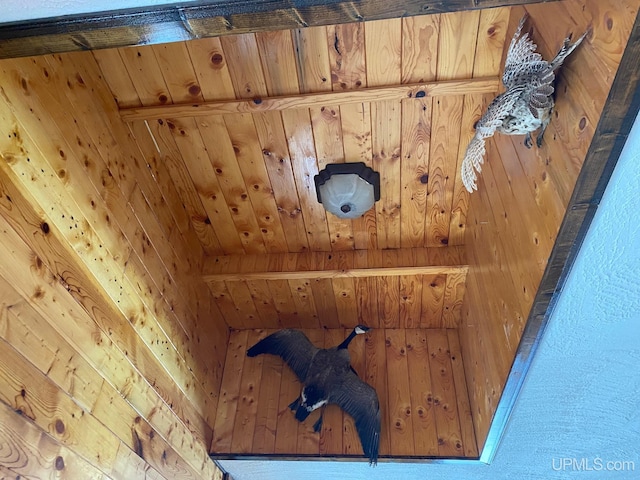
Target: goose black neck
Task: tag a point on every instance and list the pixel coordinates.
(347, 340)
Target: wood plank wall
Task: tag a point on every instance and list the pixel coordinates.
(418, 374)
(523, 194)
(247, 178)
(106, 324)
(403, 288)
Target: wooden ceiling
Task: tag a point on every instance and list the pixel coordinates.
(246, 179)
(109, 329)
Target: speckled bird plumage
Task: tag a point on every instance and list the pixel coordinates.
(526, 104)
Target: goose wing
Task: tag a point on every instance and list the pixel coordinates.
(360, 400)
(292, 346)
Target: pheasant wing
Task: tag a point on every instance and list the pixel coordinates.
(292, 346)
(360, 400)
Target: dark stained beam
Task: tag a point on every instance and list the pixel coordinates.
(176, 22)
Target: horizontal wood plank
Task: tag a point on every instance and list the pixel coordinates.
(309, 100)
(342, 273)
(28, 451)
(429, 262)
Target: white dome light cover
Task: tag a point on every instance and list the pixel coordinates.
(347, 190)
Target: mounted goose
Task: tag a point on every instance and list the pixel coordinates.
(327, 377)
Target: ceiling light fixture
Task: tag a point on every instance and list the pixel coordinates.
(347, 190)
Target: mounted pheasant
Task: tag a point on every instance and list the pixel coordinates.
(524, 107)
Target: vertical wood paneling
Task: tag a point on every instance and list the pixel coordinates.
(255, 290)
(278, 61)
(344, 289)
(131, 209)
(445, 132)
(384, 45)
(303, 295)
(457, 32)
(297, 126)
(472, 109)
(425, 436)
(410, 293)
(347, 56)
(178, 72)
(250, 82)
(221, 153)
(400, 413)
(245, 421)
(211, 68)
(247, 76)
(287, 430)
(277, 160)
(191, 146)
(419, 61)
(248, 153)
(385, 127)
(422, 202)
(283, 296)
(264, 437)
(323, 296)
(171, 159)
(492, 29)
(346, 53)
(366, 292)
(419, 415)
(389, 292)
(327, 130)
(230, 392)
(263, 302)
(444, 395)
(454, 61)
(327, 120)
(432, 299)
(312, 59)
(453, 297)
(356, 140)
(467, 431)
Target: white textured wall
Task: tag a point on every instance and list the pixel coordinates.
(581, 398)
(14, 10)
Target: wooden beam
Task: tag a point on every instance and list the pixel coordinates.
(346, 273)
(172, 23)
(393, 92)
(445, 260)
